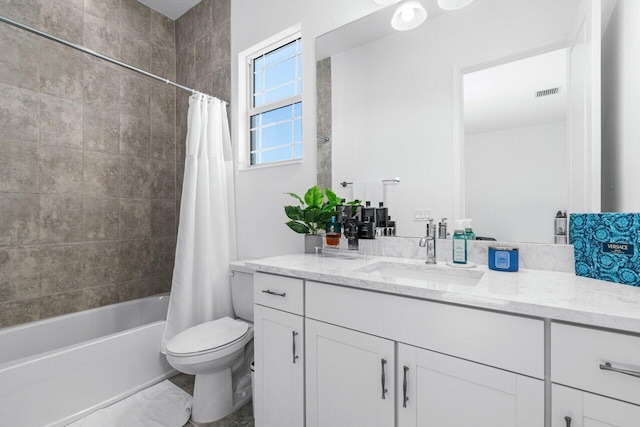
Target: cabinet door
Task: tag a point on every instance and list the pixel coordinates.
(438, 390)
(576, 408)
(279, 368)
(350, 378)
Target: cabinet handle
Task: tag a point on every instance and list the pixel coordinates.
(293, 341)
(568, 421)
(607, 367)
(404, 388)
(270, 292)
(384, 390)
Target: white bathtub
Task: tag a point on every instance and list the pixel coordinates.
(57, 370)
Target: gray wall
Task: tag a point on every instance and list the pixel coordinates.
(87, 158)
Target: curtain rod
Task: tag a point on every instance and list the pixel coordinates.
(99, 55)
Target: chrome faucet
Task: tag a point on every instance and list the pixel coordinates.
(429, 242)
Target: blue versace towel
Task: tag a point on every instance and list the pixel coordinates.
(606, 245)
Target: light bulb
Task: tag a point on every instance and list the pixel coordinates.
(408, 13)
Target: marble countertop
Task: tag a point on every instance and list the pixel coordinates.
(538, 293)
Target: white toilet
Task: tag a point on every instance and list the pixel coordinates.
(219, 353)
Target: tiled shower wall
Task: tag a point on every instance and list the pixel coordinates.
(203, 49)
(87, 158)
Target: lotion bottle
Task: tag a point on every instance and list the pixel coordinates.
(459, 243)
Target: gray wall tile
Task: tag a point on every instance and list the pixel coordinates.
(100, 176)
(163, 62)
(134, 289)
(19, 215)
(136, 17)
(60, 219)
(221, 12)
(186, 65)
(16, 312)
(185, 30)
(222, 46)
(101, 36)
(107, 10)
(25, 11)
(134, 94)
(135, 259)
(19, 289)
(203, 19)
(60, 70)
(163, 142)
(163, 104)
(100, 219)
(204, 57)
(135, 181)
(134, 51)
(60, 268)
(135, 219)
(162, 177)
(60, 122)
(19, 170)
(60, 170)
(19, 59)
(101, 128)
(99, 296)
(163, 217)
(19, 263)
(101, 263)
(101, 82)
(162, 31)
(62, 18)
(135, 136)
(222, 83)
(19, 113)
(62, 303)
(162, 256)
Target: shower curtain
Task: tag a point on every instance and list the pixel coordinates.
(201, 288)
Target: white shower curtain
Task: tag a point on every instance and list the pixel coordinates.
(201, 288)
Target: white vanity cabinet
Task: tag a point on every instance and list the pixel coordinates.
(351, 338)
(350, 377)
(279, 351)
(438, 390)
(595, 376)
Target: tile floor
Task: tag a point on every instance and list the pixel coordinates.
(241, 418)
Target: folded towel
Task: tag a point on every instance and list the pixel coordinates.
(163, 405)
(371, 191)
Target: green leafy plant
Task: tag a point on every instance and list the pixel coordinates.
(314, 212)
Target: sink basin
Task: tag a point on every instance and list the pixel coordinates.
(423, 273)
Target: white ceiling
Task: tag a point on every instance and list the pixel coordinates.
(503, 97)
(174, 9)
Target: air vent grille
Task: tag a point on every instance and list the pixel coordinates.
(547, 92)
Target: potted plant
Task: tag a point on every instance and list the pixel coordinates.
(312, 215)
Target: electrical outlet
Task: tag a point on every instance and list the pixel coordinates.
(421, 215)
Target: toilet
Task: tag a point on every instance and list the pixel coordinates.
(219, 353)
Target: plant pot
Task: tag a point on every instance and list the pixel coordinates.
(311, 242)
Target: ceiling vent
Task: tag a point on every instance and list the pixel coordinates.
(547, 92)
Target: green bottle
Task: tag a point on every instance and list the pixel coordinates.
(459, 243)
(468, 230)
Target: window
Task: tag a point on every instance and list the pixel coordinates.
(275, 107)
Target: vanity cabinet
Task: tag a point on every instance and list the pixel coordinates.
(279, 351)
(576, 408)
(434, 389)
(595, 376)
(350, 377)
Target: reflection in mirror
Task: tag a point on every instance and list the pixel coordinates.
(515, 147)
(394, 103)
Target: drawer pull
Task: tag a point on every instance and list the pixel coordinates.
(607, 367)
(384, 390)
(270, 292)
(568, 421)
(404, 387)
(293, 341)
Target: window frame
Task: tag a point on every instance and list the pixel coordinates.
(249, 99)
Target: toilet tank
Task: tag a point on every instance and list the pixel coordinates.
(242, 294)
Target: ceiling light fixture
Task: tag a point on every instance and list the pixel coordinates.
(386, 2)
(408, 16)
(453, 4)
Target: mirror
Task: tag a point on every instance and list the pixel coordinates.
(391, 104)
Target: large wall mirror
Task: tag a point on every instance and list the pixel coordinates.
(490, 112)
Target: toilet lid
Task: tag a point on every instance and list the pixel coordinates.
(208, 336)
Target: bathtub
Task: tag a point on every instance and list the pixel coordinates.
(57, 370)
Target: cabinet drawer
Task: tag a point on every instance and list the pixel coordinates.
(504, 341)
(577, 353)
(282, 293)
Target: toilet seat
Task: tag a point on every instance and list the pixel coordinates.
(208, 337)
